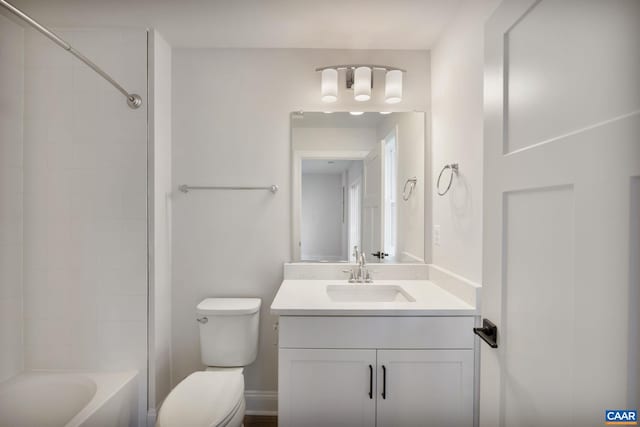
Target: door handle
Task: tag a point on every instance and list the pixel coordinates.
(370, 381)
(384, 382)
(488, 333)
(379, 254)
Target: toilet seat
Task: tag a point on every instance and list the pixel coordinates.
(205, 399)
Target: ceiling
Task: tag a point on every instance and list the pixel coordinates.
(326, 24)
(326, 167)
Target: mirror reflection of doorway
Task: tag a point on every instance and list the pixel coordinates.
(331, 209)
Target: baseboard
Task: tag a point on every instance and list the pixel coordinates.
(261, 402)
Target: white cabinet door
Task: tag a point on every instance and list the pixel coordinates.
(326, 388)
(425, 388)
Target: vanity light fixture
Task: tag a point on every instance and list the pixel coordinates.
(393, 87)
(362, 84)
(329, 87)
(359, 77)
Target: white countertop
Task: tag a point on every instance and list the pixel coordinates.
(309, 298)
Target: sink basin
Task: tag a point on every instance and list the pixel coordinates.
(368, 293)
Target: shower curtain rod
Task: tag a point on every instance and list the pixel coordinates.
(133, 100)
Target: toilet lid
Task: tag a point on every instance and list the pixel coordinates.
(203, 399)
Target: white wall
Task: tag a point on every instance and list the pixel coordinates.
(457, 62)
(11, 182)
(231, 127)
(321, 228)
(159, 221)
(411, 162)
(85, 192)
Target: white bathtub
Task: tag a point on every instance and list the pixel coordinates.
(69, 399)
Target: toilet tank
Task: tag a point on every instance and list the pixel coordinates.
(229, 331)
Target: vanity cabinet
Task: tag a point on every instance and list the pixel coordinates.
(376, 371)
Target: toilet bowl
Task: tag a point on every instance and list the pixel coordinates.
(228, 341)
(211, 399)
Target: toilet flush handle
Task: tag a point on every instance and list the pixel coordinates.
(202, 320)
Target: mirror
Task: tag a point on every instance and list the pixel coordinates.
(358, 180)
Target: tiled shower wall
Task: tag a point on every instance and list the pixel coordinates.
(85, 227)
(11, 107)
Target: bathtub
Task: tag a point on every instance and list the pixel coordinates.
(69, 399)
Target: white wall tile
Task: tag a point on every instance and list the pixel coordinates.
(11, 349)
(11, 197)
(48, 344)
(10, 141)
(120, 344)
(85, 227)
(123, 307)
(41, 53)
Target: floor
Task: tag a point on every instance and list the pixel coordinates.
(260, 421)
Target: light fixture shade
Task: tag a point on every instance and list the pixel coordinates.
(329, 85)
(356, 113)
(393, 87)
(362, 84)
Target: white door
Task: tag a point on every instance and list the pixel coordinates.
(425, 388)
(320, 388)
(373, 204)
(561, 197)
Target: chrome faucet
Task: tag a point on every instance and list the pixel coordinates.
(361, 274)
(364, 274)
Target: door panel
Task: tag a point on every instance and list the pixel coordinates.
(553, 56)
(425, 388)
(562, 119)
(538, 229)
(320, 388)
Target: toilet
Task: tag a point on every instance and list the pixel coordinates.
(228, 342)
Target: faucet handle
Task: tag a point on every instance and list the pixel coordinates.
(352, 277)
(367, 276)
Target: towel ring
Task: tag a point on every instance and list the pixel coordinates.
(412, 181)
(454, 171)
